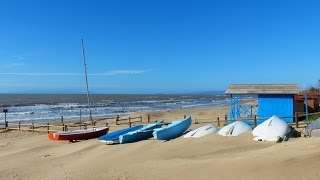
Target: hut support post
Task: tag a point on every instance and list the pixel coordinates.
(296, 119)
(218, 119)
(226, 119)
(255, 120)
(148, 117)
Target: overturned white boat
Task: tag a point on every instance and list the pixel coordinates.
(234, 129)
(273, 129)
(313, 129)
(202, 131)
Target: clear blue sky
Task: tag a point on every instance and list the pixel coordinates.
(156, 46)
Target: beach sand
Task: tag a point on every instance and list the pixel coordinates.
(27, 155)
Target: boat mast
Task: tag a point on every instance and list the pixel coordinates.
(85, 71)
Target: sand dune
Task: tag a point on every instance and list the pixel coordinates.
(26, 155)
(33, 156)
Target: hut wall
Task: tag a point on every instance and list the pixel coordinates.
(276, 104)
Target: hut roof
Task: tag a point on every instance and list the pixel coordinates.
(263, 89)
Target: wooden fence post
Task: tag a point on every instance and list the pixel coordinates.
(62, 119)
(148, 117)
(6, 125)
(62, 127)
(48, 127)
(296, 119)
(19, 126)
(226, 119)
(129, 121)
(117, 119)
(255, 120)
(141, 118)
(218, 119)
(32, 127)
(65, 127)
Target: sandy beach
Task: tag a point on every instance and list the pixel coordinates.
(27, 155)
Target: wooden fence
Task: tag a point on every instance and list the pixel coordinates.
(128, 120)
(35, 127)
(217, 120)
(225, 121)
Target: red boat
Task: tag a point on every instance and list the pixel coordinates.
(79, 134)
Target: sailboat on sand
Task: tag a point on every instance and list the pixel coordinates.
(86, 133)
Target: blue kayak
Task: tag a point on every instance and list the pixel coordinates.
(113, 137)
(173, 130)
(140, 134)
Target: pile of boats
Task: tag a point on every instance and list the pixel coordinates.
(273, 129)
(159, 130)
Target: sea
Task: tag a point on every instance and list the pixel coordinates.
(43, 108)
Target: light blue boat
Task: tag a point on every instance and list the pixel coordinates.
(173, 130)
(140, 134)
(113, 138)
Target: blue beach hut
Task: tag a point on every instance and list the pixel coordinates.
(272, 99)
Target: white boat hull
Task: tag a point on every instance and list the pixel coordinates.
(234, 129)
(272, 129)
(201, 131)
